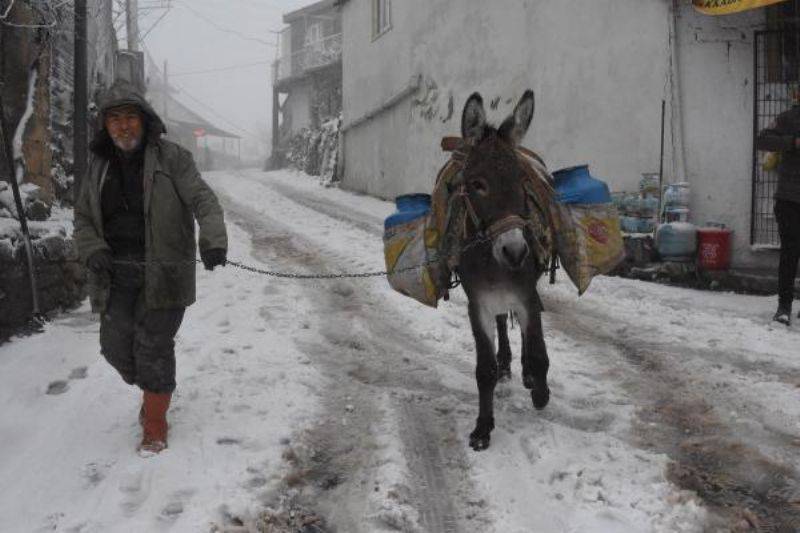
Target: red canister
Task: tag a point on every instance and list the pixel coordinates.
(714, 248)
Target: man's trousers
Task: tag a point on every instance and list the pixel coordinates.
(139, 342)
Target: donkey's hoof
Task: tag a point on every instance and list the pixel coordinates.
(540, 396)
(480, 436)
(479, 443)
(504, 375)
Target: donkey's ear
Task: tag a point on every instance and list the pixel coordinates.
(516, 126)
(473, 119)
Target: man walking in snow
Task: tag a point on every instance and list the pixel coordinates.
(784, 137)
(135, 231)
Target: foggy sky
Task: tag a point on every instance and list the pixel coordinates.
(189, 43)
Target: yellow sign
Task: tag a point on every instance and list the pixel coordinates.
(726, 7)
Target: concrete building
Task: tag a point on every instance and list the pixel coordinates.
(307, 74)
(600, 70)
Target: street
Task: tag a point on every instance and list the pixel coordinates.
(340, 405)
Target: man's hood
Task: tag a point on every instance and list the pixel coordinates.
(119, 94)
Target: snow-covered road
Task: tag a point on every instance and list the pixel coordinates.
(343, 405)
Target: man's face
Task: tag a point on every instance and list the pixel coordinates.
(125, 126)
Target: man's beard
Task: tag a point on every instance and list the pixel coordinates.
(127, 143)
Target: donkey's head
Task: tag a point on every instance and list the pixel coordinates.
(493, 177)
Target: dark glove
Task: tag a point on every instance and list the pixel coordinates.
(100, 262)
(213, 257)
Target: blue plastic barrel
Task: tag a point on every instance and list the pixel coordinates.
(575, 185)
(409, 207)
(676, 241)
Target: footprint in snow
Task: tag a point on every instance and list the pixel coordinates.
(78, 373)
(57, 387)
(256, 482)
(174, 508)
(134, 487)
(171, 511)
(93, 473)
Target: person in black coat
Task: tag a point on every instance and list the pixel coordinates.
(783, 136)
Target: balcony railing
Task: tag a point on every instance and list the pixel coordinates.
(314, 55)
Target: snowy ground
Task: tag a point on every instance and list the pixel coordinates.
(342, 401)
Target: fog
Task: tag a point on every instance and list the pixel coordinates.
(235, 41)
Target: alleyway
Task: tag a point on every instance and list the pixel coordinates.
(342, 401)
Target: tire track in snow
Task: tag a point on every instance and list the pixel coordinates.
(377, 356)
(515, 410)
(681, 414)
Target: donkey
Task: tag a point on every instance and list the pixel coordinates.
(499, 274)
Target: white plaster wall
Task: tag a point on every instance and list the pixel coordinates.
(375, 153)
(299, 104)
(716, 58)
(599, 68)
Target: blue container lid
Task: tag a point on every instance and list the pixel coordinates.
(575, 185)
(407, 202)
(571, 172)
(402, 217)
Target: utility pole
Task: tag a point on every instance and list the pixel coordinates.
(80, 97)
(166, 94)
(132, 24)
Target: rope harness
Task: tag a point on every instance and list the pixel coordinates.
(540, 220)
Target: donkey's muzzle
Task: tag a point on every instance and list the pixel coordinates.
(510, 249)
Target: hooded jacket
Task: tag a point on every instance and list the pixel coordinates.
(174, 197)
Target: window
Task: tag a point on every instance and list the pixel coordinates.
(381, 17)
(782, 59)
(313, 34)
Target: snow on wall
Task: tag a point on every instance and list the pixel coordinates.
(23, 124)
(315, 151)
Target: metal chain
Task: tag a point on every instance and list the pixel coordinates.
(294, 275)
(286, 275)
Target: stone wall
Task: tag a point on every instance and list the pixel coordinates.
(60, 278)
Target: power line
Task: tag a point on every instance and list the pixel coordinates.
(214, 112)
(201, 103)
(222, 28)
(222, 69)
(141, 39)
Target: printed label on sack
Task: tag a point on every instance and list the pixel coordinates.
(597, 229)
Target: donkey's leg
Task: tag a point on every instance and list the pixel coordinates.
(486, 376)
(535, 362)
(503, 349)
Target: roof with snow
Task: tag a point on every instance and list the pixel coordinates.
(311, 9)
(174, 113)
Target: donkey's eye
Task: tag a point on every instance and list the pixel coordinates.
(480, 186)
